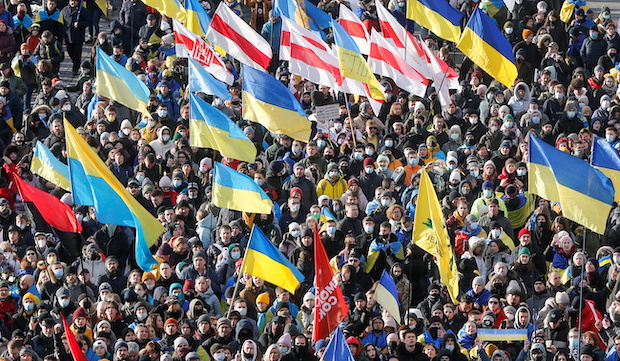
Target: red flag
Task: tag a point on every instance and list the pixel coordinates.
(74, 346)
(57, 214)
(330, 307)
(589, 317)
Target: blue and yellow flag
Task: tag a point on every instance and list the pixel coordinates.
(170, 8)
(93, 184)
(269, 102)
(46, 165)
(263, 260)
(431, 234)
(119, 84)
(487, 47)
(337, 348)
(197, 20)
(201, 81)
(496, 335)
(578, 187)
(605, 158)
(386, 295)
(326, 215)
(437, 16)
(237, 191)
(352, 63)
(303, 13)
(492, 6)
(210, 128)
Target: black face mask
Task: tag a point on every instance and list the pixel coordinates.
(487, 323)
(538, 358)
(247, 356)
(393, 345)
(433, 331)
(434, 297)
(301, 350)
(540, 224)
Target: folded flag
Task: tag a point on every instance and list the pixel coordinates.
(354, 27)
(171, 8)
(201, 81)
(210, 128)
(498, 335)
(303, 13)
(74, 346)
(384, 59)
(269, 102)
(437, 16)
(386, 295)
(198, 20)
(326, 215)
(337, 348)
(444, 77)
(190, 45)
(94, 184)
(352, 63)
(46, 165)
(483, 43)
(551, 175)
(119, 84)
(262, 259)
(605, 158)
(238, 38)
(239, 192)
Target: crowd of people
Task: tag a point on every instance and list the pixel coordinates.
(522, 265)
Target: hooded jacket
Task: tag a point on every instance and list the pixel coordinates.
(159, 146)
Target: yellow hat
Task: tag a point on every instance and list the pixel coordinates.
(263, 297)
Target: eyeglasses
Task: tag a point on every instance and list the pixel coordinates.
(493, 302)
(30, 254)
(372, 128)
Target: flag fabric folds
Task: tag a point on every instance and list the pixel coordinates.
(289, 26)
(262, 259)
(437, 16)
(303, 13)
(210, 128)
(170, 8)
(74, 346)
(190, 45)
(483, 43)
(605, 158)
(430, 234)
(386, 295)
(267, 101)
(337, 348)
(237, 191)
(56, 213)
(310, 59)
(93, 184)
(444, 77)
(354, 27)
(330, 307)
(326, 215)
(197, 20)
(552, 175)
(352, 63)
(238, 39)
(46, 165)
(385, 59)
(201, 81)
(119, 84)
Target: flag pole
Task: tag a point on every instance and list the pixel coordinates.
(583, 246)
(239, 277)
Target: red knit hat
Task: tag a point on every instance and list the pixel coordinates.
(524, 231)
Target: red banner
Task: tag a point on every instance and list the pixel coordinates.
(330, 307)
(74, 346)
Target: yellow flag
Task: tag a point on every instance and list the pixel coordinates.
(430, 234)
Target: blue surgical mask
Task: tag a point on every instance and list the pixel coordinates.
(295, 207)
(259, 182)
(389, 143)
(331, 230)
(454, 136)
(58, 273)
(474, 173)
(487, 193)
(28, 306)
(64, 302)
(536, 120)
(571, 114)
(176, 183)
(369, 229)
(220, 356)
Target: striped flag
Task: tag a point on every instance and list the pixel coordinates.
(289, 26)
(189, 45)
(353, 25)
(444, 77)
(238, 38)
(385, 60)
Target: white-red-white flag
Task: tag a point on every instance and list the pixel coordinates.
(384, 59)
(190, 45)
(444, 77)
(354, 27)
(238, 39)
(289, 26)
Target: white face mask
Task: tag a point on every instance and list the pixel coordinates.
(126, 131)
(242, 311)
(66, 108)
(101, 41)
(165, 137)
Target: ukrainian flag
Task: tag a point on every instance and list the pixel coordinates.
(170, 8)
(263, 260)
(268, 102)
(484, 44)
(46, 165)
(437, 16)
(326, 215)
(197, 20)
(563, 178)
(498, 335)
(493, 6)
(93, 184)
(605, 158)
(237, 191)
(386, 295)
(430, 234)
(337, 348)
(352, 63)
(119, 84)
(210, 128)
(201, 81)
(303, 13)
